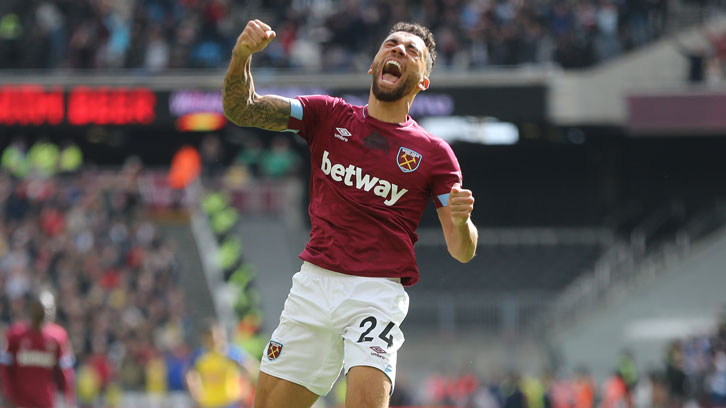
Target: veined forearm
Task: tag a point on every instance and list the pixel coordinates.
(244, 107)
(239, 89)
(240, 102)
(463, 242)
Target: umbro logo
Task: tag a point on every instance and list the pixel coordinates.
(342, 134)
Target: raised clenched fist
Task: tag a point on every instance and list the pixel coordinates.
(254, 38)
(461, 202)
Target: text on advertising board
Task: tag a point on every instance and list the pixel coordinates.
(82, 105)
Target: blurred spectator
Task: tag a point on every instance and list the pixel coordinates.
(71, 158)
(560, 392)
(697, 58)
(484, 397)
(534, 391)
(715, 66)
(615, 392)
(607, 44)
(512, 393)
(100, 363)
(176, 362)
(251, 155)
(280, 160)
(212, 155)
(43, 158)
(717, 378)
(14, 159)
(37, 360)
(674, 375)
(185, 167)
(455, 390)
(220, 373)
(157, 52)
(584, 388)
(627, 370)
(11, 32)
(88, 385)
(402, 394)
(658, 392)
(156, 376)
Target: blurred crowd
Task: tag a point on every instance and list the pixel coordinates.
(86, 237)
(256, 159)
(693, 374)
(313, 35)
(706, 63)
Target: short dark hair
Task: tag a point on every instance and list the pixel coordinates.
(422, 32)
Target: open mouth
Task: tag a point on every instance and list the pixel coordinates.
(391, 72)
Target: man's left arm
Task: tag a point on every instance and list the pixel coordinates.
(65, 374)
(459, 231)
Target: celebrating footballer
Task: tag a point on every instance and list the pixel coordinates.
(374, 170)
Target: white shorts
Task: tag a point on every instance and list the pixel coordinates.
(333, 321)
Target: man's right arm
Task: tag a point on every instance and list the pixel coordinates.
(64, 369)
(7, 375)
(194, 384)
(242, 105)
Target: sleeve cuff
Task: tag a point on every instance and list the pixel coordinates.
(444, 199)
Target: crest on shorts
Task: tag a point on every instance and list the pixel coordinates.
(274, 350)
(408, 160)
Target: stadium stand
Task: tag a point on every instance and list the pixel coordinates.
(514, 265)
(153, 36)
(547, 268)
(87, 237)
(580, 215)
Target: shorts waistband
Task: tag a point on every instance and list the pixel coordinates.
(311, 267)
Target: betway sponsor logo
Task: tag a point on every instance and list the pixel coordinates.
(353, 176)
(36, 359)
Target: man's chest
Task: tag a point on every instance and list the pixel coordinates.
(354, 150)
(36, 351)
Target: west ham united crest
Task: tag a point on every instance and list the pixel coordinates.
(274, 350)
(408, 160)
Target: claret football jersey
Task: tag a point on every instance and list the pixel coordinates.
(33, 362)
(370, 183)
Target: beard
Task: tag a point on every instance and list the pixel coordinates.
(391, 95)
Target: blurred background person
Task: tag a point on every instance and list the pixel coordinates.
(37, 360)
(220, 374)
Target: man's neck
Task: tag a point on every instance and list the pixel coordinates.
(391, 112)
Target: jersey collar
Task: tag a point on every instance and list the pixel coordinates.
(366, 117)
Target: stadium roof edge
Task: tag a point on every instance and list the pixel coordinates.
(212, 79)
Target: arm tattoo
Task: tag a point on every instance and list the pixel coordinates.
(244, 107)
